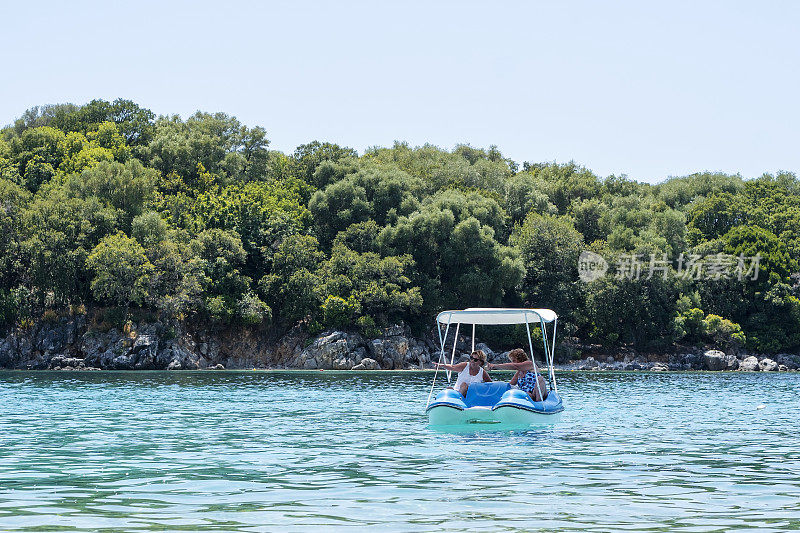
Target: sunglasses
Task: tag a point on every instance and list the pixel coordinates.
(477, 360)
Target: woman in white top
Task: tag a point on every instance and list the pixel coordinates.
(469, 372)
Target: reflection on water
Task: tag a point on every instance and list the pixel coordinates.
(260, 451)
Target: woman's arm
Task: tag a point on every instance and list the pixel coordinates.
(486, 376)
(524, 365)
(514, 380)
(458, 367)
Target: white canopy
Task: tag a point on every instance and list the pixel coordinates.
(496, 316)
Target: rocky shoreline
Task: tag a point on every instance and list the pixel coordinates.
(70, 343)
(708, 360)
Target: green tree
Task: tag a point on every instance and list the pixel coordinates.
(550, 247)
(459, 261)
(149, 229)
(367, 285)
(715, 216)
(177, 281)
(107, 136)
(214, 143)
(683, 191)
(80, 153)
(129, 188)
(38, 152)
(361, 237)
(226, 291)
(58, 233)
(640, 312)
(13, 199)
(586, 215)
(39, 116)
(463, 168)
(122, 271)
(526, 193)
(263, 214)
(566, 183)
(307, 158)
(292, 287)
(135, 124)
(176, 285)
(372, 193)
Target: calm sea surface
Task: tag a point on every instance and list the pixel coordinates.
(296, 451)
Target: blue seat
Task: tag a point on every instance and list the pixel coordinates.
(485, 394)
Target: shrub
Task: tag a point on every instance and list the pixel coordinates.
(218, 309)
(251, 310)
(337, 312)
(368, 327)
(695, 326)
(723, 332)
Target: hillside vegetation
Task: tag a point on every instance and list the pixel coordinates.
(108, 206)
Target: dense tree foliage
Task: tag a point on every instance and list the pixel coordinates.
(122, 270)
(105, 204)
(550, 247)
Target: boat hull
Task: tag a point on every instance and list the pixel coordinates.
(520, 417)
(514, 409)
(443, 416)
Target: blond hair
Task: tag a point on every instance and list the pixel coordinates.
(478, 354)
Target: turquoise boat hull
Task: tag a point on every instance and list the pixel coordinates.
(494, 403)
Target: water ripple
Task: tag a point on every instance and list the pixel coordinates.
(266, 451)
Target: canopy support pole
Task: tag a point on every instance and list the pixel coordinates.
(553, 356)
(453, 355)
(548, 355)
(546, 351)
(473, 339)
(533, 359)
(442, 340)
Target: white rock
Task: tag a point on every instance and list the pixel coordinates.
(750, 364)
(768, 365)
(715, 360)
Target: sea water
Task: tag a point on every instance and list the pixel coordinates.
(321, 451)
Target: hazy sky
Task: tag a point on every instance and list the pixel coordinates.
(642, 88)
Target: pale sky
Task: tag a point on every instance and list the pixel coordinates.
(646, 89)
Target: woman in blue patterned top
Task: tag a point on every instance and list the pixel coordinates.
(525, 378)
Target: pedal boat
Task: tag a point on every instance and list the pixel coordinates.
(495, 402)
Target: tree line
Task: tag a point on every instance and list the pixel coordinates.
(107, 206)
